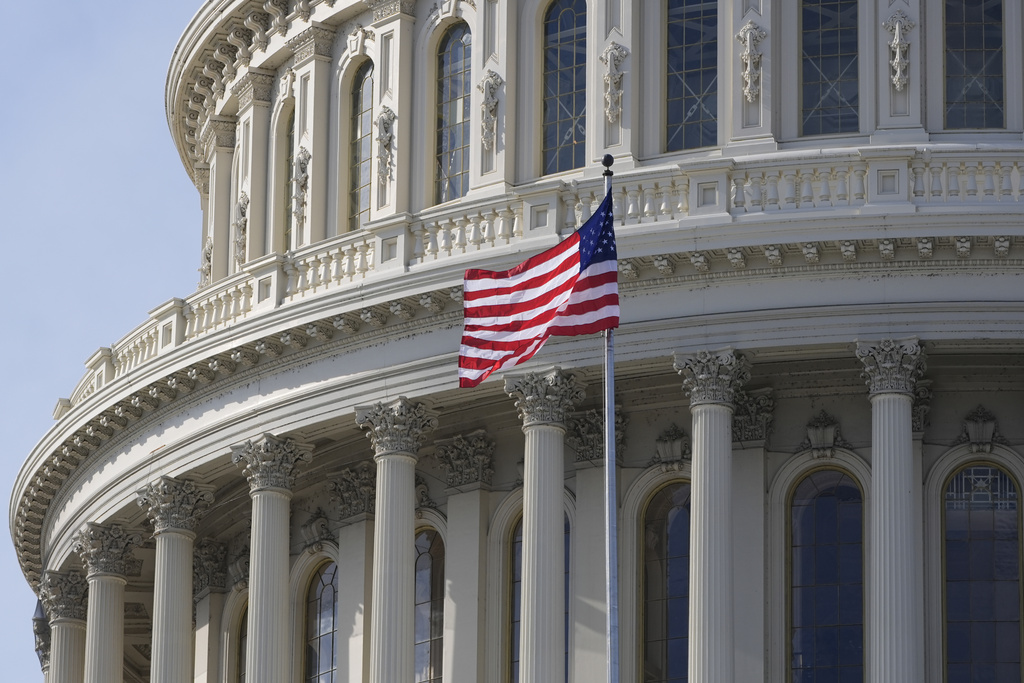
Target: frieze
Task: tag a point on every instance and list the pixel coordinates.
(545, 398)
(354, 491)
(712, 376)
(270, 462)
(466, 459)
(891, 366)
(175, 504)
(396, 427)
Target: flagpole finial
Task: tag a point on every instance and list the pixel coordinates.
(607, 162)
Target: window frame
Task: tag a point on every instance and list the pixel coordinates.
(589, 112)
(434, 131)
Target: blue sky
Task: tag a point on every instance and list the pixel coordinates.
(99, 220)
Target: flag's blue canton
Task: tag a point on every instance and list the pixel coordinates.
(597, 237)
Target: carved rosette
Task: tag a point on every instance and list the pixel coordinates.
(467, 459)
(64, 595)
(209, 567)
(353, 493)
(612, 58)
(270, 462)
(545, 398)
(754, 415)
(891, 366)
(713, 376)
(586, 434)
(175, 504)
(396, 427)
(105, 549)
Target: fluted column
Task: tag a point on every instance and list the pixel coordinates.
(396, 430)
(105, 551)
(543, 401)
(174, 506)
(711, 380)
(896, 636)
(64, 601)
(269, 464)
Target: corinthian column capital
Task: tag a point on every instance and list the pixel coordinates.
(891, 366)
(396, 427)
(712, 376)
(270, 462)
(105, 549)
(175, 504)
(64, 595)
(545, 398)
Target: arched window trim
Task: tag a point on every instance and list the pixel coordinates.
(236, 605)
(303, 569)
(935, 484)
(777, 551)
(341, 130)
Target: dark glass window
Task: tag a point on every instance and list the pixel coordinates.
(826, 579)
(429, 606)
(974, 64)
(982, 577)
(828, 65)
(453, 91)
(361, 147)
(666, 566)
(516, 599)
(565, 86)
(321, 625)
(692, 85)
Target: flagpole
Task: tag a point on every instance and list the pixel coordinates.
(611, 544)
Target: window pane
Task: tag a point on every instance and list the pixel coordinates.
(453, 93)
(321, 613)
(565, 84)
(974, 64)
(829, 64)
(691, 107)
(429, 607)
(360, 147)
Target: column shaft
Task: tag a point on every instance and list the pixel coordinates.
(711, 626)
(268, 656)
(104, 637)
(67, 651)
(542, 637)
(172, 608)
(391, 623)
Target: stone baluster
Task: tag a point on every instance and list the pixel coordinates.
(270, 465)
(396, 430)
(544, 401)
(892, 369)
(64, 601)
(105, 551)
(711, 379)
(174, 506)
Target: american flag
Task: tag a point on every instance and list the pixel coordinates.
(567, 290)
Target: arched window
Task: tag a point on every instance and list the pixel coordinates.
(974, 64)
(429, 605)
(666, 584)
(361, 147)
(565, 86)
(516, 596)
(828, 67)
(453, 91)
(691, 103)
(826, 578)
(321, 625)
(243, 643)
(981, 518)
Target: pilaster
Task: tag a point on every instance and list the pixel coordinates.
(209, 582)
(218, 138)
(253, 91)
(748, 44)
(612, 35)
(495, 35)
(64, 602)
(544, 402)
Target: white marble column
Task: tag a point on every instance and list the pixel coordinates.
(396, 430)
(64, 600)
(105, 551)
(711, 380)
(174, 506)
(895, 632)
(269, 464)
(543, 401)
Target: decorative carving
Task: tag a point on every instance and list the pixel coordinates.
(245, 357)
(613, 57)
(300, 186)
(750, 37)
(320, 331)
(887, 249)
(346, 323)
(382, 9)
(753, 416)
(736, 259)
(135, 610)
(823, 436)
(489, 107)
(238, 569)
(41, 632)
(253, 87)
(671, 449)
(353, 493)
(206, 263)
(209, 567)
(270, 462)
(811, 254)
(396, 427)
(773, 253)
(466, 459)
(239, 226)
(242, 39)
(64, 595)
(700, 261)
(922, 405)
(925, 248)
(899, 25)
(259, 24)
(279, 10)
(105, 549)
(628, 270)
(891, 366)
(981, 430)
(545, 398)
(586, 434)
(402, 310)
(373, 317)
(226, 55)
(315, 41)
(357, 40)
(432, 301)
(175, 504)
(316, 531)
(422, 494)
(963, 247)
(385, 138)
(712, 376)
(268, 347)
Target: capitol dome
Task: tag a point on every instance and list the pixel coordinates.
(819, 366)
